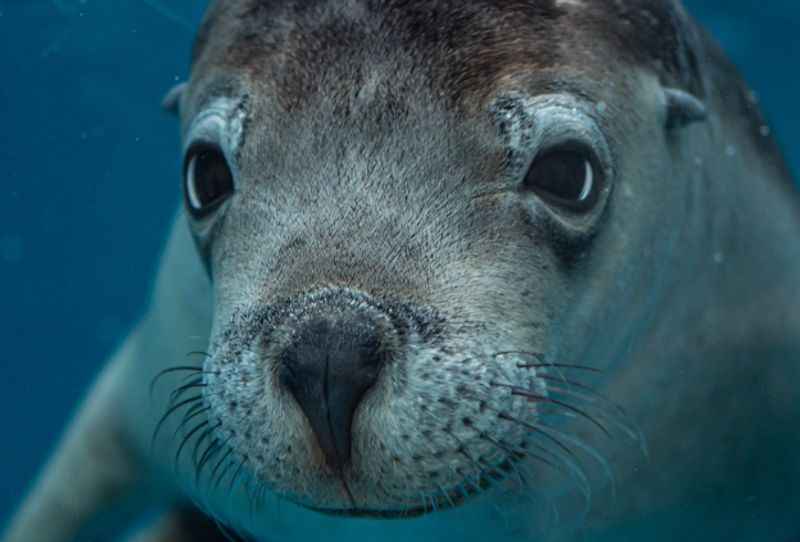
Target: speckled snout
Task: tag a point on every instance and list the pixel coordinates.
(367, 404)
(333, 356)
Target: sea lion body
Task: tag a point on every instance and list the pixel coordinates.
(535, 369)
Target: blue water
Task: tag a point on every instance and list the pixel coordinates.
(89, 168)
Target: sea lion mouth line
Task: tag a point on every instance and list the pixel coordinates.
(436, 504)
(445, 500)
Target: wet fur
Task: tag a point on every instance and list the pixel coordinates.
(575, 380)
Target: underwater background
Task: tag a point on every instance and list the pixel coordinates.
(89, 167)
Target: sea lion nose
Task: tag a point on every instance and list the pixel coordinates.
(330, 363)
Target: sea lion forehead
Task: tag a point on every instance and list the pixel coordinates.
(462, 47)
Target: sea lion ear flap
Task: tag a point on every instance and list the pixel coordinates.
(172, 101)
(683, 108)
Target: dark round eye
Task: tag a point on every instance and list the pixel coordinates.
(565, 176)
(208, 179)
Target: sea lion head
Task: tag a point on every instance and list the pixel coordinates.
(426, 223)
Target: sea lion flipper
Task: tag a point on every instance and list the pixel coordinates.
(683, 108)
(92, 471)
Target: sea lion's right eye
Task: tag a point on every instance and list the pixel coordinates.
(567, 176)
(208, 180)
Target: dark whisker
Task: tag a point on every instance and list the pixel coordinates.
(193, 412)
(536, 429)
(261, 497)
(222, 460)
(237, 473)
(461, 449)
(169, 412)
(529, 394)
(186, 439)
(604, 406)
(178, 369)
(511, 454)
(480, 470)
(211, 450)
(198, 443)
(222, 474)
(180, 390)
(477, 474)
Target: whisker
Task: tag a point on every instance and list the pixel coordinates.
(222, 474)
(189, 415)
(237, 473)
(592, 393)
(558, 366)
(251, 487)
(180, 390)
(261, 497)
(535, 429)
(186, 439)
(169, 412)
(542, 363)
(211, 450)
(474, 477)
(610, 410)
(522, 392)
(178, 369)
(426, 498)
(511, 455)
(538, 355)
(571, 461)
(591, 398)
(203, 436)
(222, 460)
(461, 449)
(543, 429)
(446, 495)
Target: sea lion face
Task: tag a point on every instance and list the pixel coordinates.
(424, 224)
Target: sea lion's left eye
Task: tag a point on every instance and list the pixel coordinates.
(565, 176)
(208, 179)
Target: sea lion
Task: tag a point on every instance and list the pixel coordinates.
(517, 270)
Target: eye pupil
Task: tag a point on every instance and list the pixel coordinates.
(565, 177)
(208, 179)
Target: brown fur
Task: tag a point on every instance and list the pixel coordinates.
(461, 48)
(465, 51)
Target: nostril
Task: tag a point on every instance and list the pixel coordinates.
(330, 363)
